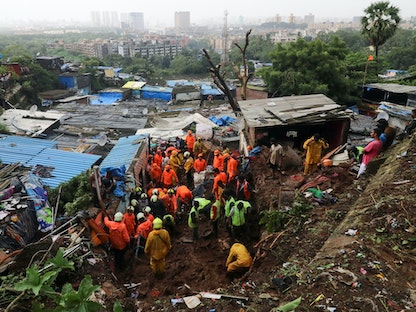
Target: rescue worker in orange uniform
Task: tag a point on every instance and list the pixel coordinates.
(232, 168)
(169, 177)
(190, 141)
(239, 259)
(218, 161)
(184, 197)
(170, 202)
(145, 226)
(157, 158)
(119, 238)
(129, 220)
(200, 164)
(157, 247)
(220, 181)
(155, 173)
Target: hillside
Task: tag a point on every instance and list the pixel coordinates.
(354, 253)
(312, 256)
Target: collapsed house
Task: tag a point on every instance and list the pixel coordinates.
(293, 119)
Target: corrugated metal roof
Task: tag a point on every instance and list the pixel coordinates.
(123, 151)
(287, 110)
(392, 87)
(31, 152)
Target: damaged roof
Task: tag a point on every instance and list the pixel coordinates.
(61, 166)
(290, 110)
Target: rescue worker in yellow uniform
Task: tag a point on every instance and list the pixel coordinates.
(239, 259)
(314, 147)
(157, 247)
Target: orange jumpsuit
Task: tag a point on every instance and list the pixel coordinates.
(216, 189)
(129, 220)
(169, 178)
(218, 162)
(232, 168)
(169, 200)
(155, 173)
(190, 141)
(119, 237)
(144, 229)
(200, 164)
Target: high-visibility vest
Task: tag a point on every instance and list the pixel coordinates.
(191, 224)
(202, 202)
(227, 207)
(238, 218)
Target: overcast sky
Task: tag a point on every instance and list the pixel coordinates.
(161, 12)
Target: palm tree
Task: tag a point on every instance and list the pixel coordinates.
(379, 23)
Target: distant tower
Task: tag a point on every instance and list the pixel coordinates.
(278, 19)
(291, 18)
(224, 56)
(182, 20)
(137, 21)
(309, 19)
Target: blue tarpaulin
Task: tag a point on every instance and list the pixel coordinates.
(222, 121)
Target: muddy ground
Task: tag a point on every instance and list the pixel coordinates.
(355, 254)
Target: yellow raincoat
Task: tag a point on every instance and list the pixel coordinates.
(157, 246)
(238, 258)
(313, 153)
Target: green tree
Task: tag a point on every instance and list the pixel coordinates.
(379, 23)
(304, 67)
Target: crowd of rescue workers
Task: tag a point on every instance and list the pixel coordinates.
(188, 182)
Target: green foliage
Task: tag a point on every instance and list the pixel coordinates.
(78, 301)
(39, 287)
(276, 220)
(36, 281)
(75, 194)
(313, 67)
(380, 23)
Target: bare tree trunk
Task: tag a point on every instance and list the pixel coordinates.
(243, 76)
(220, 82)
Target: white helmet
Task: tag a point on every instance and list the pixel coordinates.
(118, 217)
(148, 209)
(143, 196)
(186, 154)
(140, 215)
(153, 199)
(134, 202)
(155, 192)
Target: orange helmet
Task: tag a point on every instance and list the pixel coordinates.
(216, 152)
(167, 167)
(249, 147)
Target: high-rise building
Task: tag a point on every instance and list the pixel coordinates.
(96, 18)
(182, 20)
(137, 21)
(309, 19)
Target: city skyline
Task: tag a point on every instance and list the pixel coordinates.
(162, 13)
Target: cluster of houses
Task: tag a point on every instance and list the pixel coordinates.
(116, 127)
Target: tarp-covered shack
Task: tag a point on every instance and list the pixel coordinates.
(293, 119)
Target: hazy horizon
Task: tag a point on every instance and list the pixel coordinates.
(161, 13)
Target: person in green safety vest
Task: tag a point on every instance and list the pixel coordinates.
(229, 203)
(203, 205)
(238, 218)
(199, 205)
